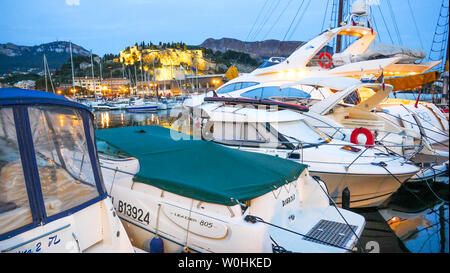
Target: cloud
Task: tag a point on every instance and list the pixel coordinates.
(73, 2)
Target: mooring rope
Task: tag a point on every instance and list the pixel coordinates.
(383, 165)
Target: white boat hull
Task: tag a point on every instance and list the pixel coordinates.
(365, 190)
(369, 184)
(146, 211)
(91, 230)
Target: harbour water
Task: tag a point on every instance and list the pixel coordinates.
(415, 219)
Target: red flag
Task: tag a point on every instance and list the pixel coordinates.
(417, 100)
(353, 22)
(371, 29)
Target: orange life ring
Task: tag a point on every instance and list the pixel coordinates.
(330, 60)
(370, 138)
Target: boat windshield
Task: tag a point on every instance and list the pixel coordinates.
(63, 162)
(235, 86)
(272, 61)
(268, 92)
(15, 209)
(107, 150)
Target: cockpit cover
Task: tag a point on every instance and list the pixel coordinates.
(200, 169)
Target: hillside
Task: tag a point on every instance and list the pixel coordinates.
(16, 58)
(257, 50)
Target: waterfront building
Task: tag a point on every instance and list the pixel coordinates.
(103, 86)
(189, 84)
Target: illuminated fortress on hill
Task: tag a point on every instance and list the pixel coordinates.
(168, 64)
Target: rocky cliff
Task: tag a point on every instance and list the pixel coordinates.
(257, 50)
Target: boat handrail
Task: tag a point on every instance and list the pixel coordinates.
(299, 145)
(338, 128)
(306, 144)
(116, 170)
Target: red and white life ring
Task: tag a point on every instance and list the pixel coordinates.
(370, 138)
(329, 61)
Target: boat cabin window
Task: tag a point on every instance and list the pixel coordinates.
(299, 131)
(242, 133)
(275, 135)
(15, 209)
(235, 86)
(275, 91)
(65, 170)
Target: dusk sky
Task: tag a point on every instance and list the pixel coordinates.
(108, 26)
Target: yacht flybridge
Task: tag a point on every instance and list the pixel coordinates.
(217, 199)
(52, 197)
(369, 173)
(359, 60)
(356, 61)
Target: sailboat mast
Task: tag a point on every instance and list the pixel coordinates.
(73, 75)
(45, 73)
(135, 78)
(154, 80)
(93, 79)
(445, 74)
(448, 46)
(101, 76)
(339, 37)
(140, 61)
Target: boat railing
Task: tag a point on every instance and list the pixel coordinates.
(342, 130)
(301, 145)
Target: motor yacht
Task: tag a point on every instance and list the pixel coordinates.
(217, 199)
(305, 71)
(369, 173)
(140, 105)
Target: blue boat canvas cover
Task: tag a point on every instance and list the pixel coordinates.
(199, 169)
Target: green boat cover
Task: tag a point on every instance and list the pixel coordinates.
(198, 169)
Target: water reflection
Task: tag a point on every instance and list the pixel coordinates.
(104, 119)
(121, 118)
(413, 220)
(418, 215)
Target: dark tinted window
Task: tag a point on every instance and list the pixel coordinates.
(235, 86)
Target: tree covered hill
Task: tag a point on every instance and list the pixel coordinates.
(16, 58)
